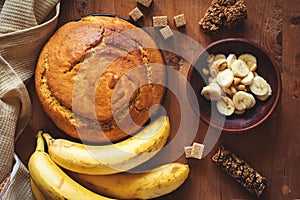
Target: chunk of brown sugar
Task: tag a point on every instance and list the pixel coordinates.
(179, 20)
(145, 3)
(160, 21)
(197, 150)
(188, 151)
(166, 32)
(136, 14)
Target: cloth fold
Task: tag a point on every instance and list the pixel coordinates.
(21, 47)
(23, 33)
(18, 186)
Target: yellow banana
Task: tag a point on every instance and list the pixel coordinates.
(155, 183)
(51, 181)
(36, 191)
(114, 158)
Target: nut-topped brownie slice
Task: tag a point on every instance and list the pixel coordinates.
(223, 13)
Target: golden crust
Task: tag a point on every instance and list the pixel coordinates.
(92, 70)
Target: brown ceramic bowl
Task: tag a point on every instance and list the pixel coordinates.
(252, 117)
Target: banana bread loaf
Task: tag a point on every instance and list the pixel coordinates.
(94, 73)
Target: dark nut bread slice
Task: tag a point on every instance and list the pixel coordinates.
(223, 13)
(239, 170)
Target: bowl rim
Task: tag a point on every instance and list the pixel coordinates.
(278, 77)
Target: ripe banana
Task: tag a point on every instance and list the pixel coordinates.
(249, 59)
(226, 106)
(230, 59)
(146, 185)
(217, 64)
(36, 191)
(225, 78)
(259, 86)
(266, 96)
(243, 100)
(114, 158)
(51, 181)
(239, 68)
(219, 57)
(213, 70)
(248, 80)
(212, 80)
(212, 92)
(216, 57)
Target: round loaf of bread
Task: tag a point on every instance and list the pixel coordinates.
(98, 77)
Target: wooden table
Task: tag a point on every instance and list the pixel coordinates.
(273, 147)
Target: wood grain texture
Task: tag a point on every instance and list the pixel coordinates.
(272, 148)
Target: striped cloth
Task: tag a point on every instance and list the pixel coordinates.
(23, 31)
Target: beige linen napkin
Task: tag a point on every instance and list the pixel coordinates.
(23, 32)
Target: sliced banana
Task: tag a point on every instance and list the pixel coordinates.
(239, 68)
(253, 68)
(242, 100)
(231, 80)
(213, 70)
(259, 86)
(266, 96)
(249, 59)
(225, 78)
(210, 59)
(230, 59)
(253, 101)
(217, 65)
(226, 106)
(247, 80)
(219, 56)
(227, 91)
(239, 112)
(212, 80)
(212, 92)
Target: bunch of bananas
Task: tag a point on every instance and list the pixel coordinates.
(73, 170)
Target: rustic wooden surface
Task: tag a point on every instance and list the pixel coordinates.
(272, 148)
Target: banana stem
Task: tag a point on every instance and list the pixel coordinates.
(40, 146)
(48, 138)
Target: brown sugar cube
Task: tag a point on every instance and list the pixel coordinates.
(160, 21)
(136, 14)
(179, 20)
(197, 150)
(188, 151)
(166, 32)
(145, 3)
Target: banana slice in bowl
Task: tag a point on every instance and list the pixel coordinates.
(249, 59)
